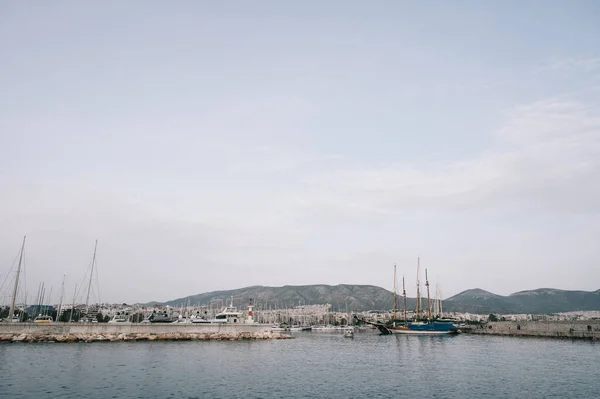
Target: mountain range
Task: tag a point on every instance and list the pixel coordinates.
(368, 297)
(540, 301)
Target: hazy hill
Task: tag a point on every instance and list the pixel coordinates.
(369, 297)
(548, 300)
(542, 300)
(478, 301)
(354, 297)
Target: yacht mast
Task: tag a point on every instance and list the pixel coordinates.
(38, 299)
(16, 287)
(418, 307)
(441, 308)
(404, 295)
(428, 304)
(73, 307)
(395, 301)
(87, 300)
(62, 293)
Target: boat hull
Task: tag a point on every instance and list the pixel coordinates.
(418, 329)
(422, 332)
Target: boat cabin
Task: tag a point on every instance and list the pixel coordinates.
(229, 315)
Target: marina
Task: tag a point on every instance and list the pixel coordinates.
(88, 321)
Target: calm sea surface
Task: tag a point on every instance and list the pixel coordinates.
(314, 365)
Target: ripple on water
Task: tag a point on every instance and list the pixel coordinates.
(311, 366)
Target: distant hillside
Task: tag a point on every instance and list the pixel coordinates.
(354, 297)
(477, 301)
(369, 297)
(542, 301)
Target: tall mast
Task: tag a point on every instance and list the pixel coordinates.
(49, 302)
(438, 302)
(428, 304)
(404, 295)
(395, 302)
(38, 299)
(73, 307)
(62, 293)
(16, 287)
(441, 308)
(87, 300)
(436, 312)
(418, 306)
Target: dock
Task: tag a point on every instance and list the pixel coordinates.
(578, 329)
(98, 332)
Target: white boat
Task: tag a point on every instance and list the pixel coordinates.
(120, 318)
(199, 319)
(43, 319)
(349, 334)
(230, 314)
(328, 328)
(279, 328)
(182, 320)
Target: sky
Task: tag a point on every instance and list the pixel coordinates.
(217, 145)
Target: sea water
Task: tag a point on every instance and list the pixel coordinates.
(313, 365)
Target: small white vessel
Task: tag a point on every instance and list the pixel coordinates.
(120, 317)
(348, 334)
(43, 319)
(198, 318)
(182, 320)
(279, 328)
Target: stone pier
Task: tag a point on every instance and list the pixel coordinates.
(101, 332)
(580, 329)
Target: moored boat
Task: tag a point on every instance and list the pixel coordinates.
(300, 328)
(434, 327)
(43, 319)
(421, 326)
(160, 317)
(120, 317)
(230, 314)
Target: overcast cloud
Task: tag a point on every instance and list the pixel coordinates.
(214, 146)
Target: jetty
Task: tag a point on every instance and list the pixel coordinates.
(570, 329)
(106, 332)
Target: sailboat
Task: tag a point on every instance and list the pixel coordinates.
(417, 327)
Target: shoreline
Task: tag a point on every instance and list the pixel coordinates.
(140, 337)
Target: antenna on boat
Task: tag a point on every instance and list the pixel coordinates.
(428, 304)
(87, 299)
(404, 295)
(16, 287)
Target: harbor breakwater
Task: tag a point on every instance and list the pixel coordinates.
(91, 332)
(580, 329)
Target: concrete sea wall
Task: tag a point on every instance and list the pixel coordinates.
(91, 332)
(580, 329)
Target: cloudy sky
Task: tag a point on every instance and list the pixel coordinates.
(217, 145)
